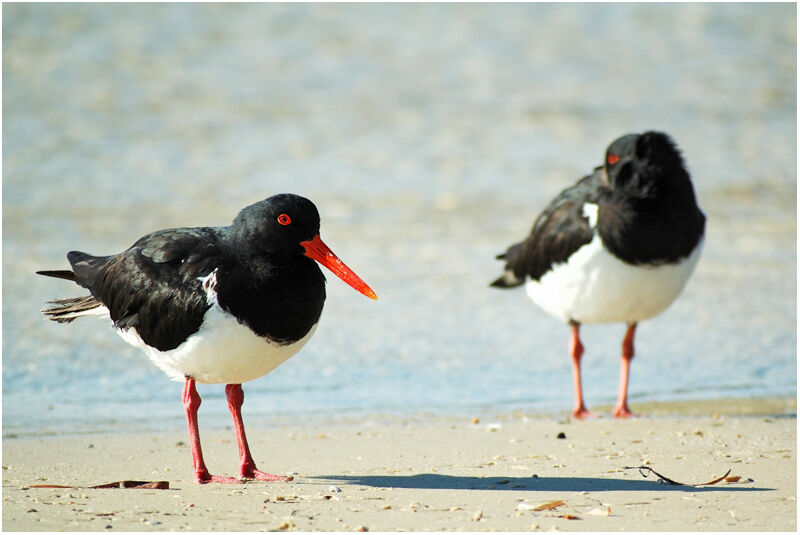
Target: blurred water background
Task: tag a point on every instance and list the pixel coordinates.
(429, 136)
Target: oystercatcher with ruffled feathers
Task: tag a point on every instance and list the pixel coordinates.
(618, 246)
(214, 304)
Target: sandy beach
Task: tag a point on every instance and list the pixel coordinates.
(430, 136)
(431, 473)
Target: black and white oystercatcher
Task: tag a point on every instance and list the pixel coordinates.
(214, 304)
(618, 246)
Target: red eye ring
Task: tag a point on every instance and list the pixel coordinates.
(612, 159)
(284, 219)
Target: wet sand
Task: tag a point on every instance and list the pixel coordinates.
(431, 473)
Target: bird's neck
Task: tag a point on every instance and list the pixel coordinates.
(279, 300)
(651, 230)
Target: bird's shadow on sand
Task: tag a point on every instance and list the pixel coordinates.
(519, 484)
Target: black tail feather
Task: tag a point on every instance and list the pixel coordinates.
(510, 279)
(59, 274)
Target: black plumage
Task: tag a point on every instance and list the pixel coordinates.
(558, 232)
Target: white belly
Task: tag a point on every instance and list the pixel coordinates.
(593, 286)
(222, 351)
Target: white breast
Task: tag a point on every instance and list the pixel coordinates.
(222, 351)
(594, 286)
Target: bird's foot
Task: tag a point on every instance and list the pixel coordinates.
(581, 413)
(249, 471)
(202, 477)
(258, 475)
(622, 411)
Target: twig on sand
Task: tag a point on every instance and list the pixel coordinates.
(645, 469)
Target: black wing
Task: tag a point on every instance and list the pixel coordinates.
(560, 230)
(154, 286)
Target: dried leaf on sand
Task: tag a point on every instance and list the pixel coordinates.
(126, 484)
(548, 506)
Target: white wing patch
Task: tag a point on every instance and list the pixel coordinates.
(209, 283)
(590, 212)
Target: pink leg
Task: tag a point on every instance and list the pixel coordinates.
(576, 351)
(247, 469)
(621, 409)
(191, 402)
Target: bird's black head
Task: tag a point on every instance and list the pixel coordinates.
(285, 228)
(276, 226)
(648, 163)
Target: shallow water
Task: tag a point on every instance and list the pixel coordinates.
(429, 136)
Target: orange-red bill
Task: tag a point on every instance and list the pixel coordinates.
(317, 250)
